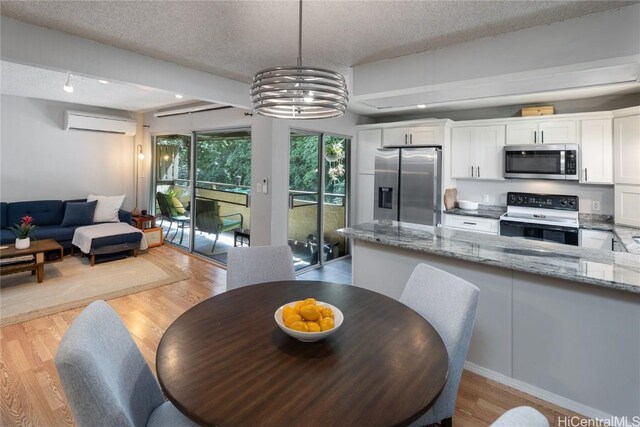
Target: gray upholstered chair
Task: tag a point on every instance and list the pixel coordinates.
(105, 378)
(522, 416)
(449, 304)
(257, 264)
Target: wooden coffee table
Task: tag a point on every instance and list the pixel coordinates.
(37, 249)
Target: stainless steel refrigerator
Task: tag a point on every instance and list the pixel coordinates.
(408, 185)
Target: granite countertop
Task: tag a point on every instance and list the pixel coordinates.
(483, 211)
(617, 270)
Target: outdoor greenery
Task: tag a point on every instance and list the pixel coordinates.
(224, 158)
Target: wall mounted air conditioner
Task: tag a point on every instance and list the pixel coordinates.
(99, 123)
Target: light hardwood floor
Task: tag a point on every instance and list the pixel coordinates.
(32, 394)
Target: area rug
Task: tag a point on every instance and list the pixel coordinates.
(73, 283)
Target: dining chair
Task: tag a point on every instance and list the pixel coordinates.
(449, 304)
(522, 416)
(106, 379)
(257, 264)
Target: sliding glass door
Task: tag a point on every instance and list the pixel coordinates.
(205, 208)
(172, 186)
(222, 186)
(318, 188)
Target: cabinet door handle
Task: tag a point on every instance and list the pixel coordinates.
(478, 171)
(542, 136)
(411, 139)
(470, 223)
(471, 171)
(613, 244)
(405, 139)
(535, 136)
(585, 174)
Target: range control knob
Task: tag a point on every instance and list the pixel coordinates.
(519, 199)
(512, 198)
(563, 202)
(572, 202)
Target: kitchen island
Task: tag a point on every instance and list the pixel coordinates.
(556, 321)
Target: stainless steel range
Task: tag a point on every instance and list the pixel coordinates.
(549, 217)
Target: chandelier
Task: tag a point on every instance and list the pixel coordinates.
(298, 92)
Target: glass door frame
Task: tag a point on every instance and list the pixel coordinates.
(191, 177)
(321, 190)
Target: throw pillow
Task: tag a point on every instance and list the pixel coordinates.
(177, 204)
(76, 214)
(107, 208)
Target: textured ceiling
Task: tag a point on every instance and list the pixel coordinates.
(32, 82)
(237, 38)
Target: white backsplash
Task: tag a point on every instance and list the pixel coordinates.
(497, 192)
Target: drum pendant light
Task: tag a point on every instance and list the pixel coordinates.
(299, 92)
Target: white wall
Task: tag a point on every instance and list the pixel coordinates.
(269, 158)
(41, 161)
(497, 192)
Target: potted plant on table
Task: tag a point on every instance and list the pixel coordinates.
(23, 232)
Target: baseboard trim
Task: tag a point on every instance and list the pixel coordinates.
(537, 392)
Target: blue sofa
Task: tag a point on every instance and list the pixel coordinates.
(47, 215)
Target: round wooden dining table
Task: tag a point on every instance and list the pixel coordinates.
(225, 362)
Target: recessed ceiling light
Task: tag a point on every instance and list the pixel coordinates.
(67, 86)
(177, 95)
(422, 106)
(103, 82)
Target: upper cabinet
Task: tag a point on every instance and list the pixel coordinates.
(596, 152)
(626, 146)
(368, 141)
(477, 152)
(542, 132)
(415, 136)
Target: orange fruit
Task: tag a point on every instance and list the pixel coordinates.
(313, 327)
(292, 319)
(287, 311)
(299, 326)
(327, 312)
(326, 323)
(309, 301)
(309, 312)
(297, 306)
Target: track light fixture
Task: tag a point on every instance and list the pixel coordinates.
(67, 86)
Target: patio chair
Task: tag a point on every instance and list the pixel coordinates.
(168, 212)
(209, 220)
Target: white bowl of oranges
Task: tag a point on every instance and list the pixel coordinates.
(308, 320)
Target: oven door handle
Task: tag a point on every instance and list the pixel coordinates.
(544, 226)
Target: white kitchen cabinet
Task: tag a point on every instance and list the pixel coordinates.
(542, 132)
(415, 136)
(627, 204)
(368, 141)
(626, 148)
(472, 223)
(477, 152)
(596, 239)
(364, 198)
(596, 152)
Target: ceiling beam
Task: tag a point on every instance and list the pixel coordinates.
(594, 50)
(37, 46)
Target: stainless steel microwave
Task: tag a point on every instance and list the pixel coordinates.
(541, 161)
